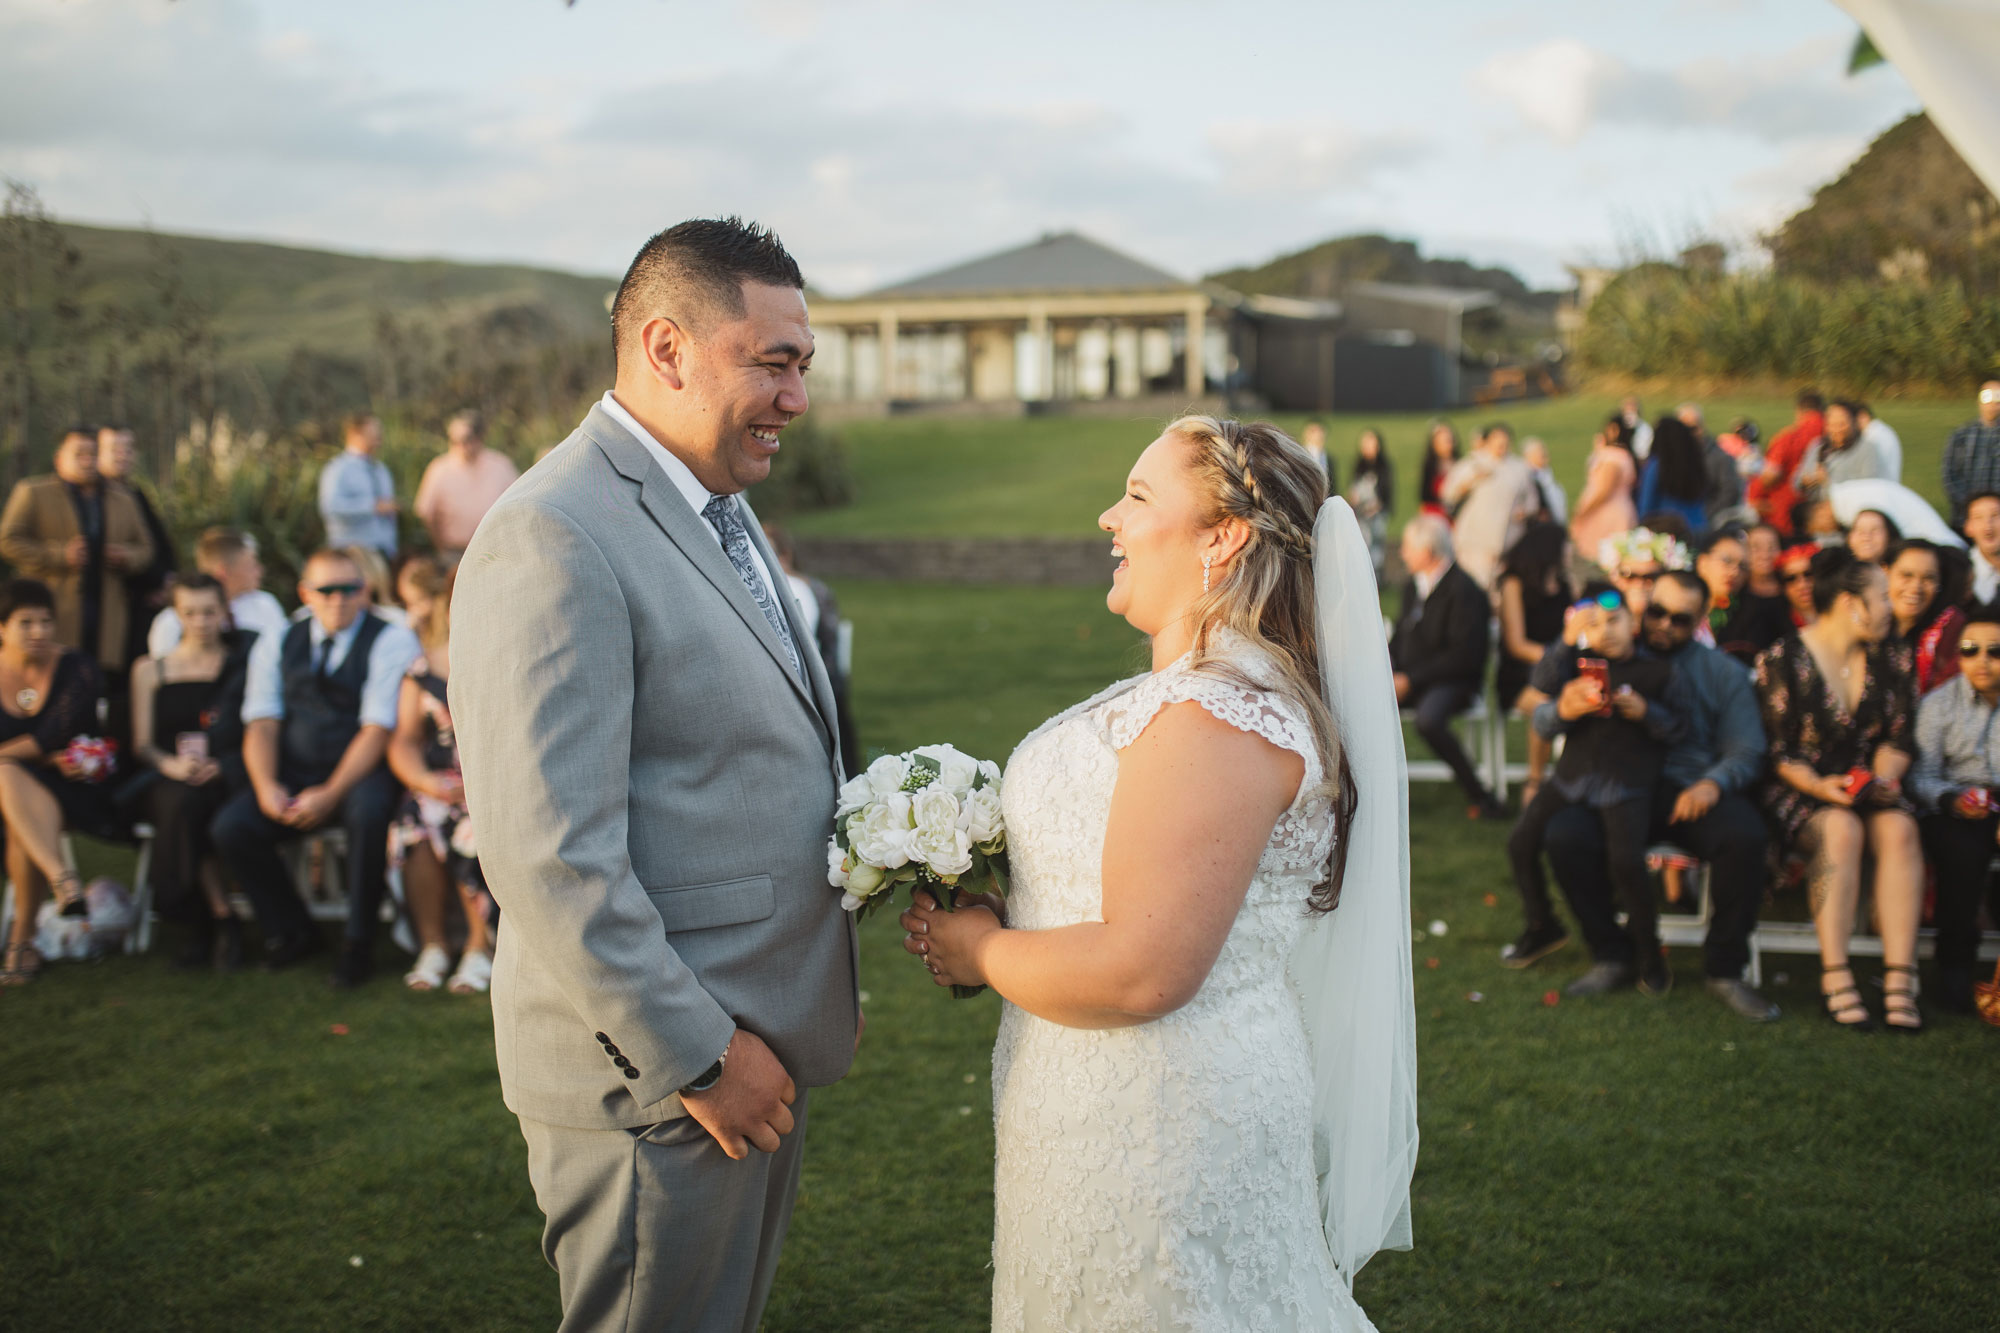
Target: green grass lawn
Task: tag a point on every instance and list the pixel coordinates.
(188, 1152)
(1052, 476)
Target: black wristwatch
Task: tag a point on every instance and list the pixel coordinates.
(709, 1077)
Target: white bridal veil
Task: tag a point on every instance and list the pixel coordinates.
(1352, 965)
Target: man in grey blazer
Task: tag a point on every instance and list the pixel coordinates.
(651, 759)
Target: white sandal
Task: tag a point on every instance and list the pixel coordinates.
(474, 975)
(429, 972)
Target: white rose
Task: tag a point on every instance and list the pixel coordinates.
(854, 793)
(990, 771)
(887, 775)
(932, 810)
(955, 769)
(836, 864)
(848, 902)
(865, 880)
(981, 816)
(881, 834)
(945, 849)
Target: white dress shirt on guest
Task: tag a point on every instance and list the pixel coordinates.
(1985, 578)
(256, 611)
(395, 649)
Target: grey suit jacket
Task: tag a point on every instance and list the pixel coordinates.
(652, 789)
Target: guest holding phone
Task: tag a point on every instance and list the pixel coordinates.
(1840, 718)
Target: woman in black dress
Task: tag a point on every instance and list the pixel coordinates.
(48, 698)
(187, 726)
(1534, 589)
(1840, 717)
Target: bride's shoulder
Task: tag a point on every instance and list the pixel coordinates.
(1235, 683)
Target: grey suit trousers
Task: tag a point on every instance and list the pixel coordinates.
(656, 1228)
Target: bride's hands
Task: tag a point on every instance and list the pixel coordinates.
(949, 942)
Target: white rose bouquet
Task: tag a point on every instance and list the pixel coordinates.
(929, 818)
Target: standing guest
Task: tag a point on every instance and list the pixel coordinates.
(1534, 595)
(1771, 492)
(1879, 435)
(1928, 618)
(1738, 623)
(1635, 561)
(319, 706)
(1982, 528)
(1606, 505)
(1840, 718)
(1972, 456)
(81, 538)
(1675, 477)
(1871, 534)
(1372, 493)
(1636, 429)
(145, 589)
(431, 840)
(1840, 454)
(1438, 650)
(461, 484)
(357, 496)
(1313, 437)
(1795, 570)
(1493, 495)
(1725, 478)
(1616, 730)
(1441, 453)
(48, 695)
(1957, 779)
(1702, 801)
(230, 558)
(1555, 505)
(187, 726)
(821, 612)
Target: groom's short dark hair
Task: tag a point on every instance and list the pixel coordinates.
(693, 273)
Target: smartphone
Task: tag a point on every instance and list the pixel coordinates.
(1859, 781)
(191, 745)
(1599, 670)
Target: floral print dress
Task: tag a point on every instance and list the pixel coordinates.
(1805, 723)
(424, 820)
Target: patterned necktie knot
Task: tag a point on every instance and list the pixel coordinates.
(723, 515)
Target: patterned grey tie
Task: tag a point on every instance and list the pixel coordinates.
(722, 515)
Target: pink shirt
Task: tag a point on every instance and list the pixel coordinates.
(454, 495)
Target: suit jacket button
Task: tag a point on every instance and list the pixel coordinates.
(631, 1072)
(621, 1062)
(603, 1039)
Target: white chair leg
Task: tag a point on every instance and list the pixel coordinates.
(140, 939)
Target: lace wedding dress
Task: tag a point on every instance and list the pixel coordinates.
(1161, 1176)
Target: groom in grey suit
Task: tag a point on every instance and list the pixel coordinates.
(650, 761)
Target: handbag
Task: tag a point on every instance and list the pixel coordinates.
(1986, 998)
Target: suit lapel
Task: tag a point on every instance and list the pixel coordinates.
(690, 532)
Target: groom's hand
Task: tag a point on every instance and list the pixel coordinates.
(751, 1105)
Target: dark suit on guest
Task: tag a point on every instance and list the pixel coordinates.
(1440, 642)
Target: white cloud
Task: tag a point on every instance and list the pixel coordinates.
(1553, 87)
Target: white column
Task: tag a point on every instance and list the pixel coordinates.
(1197, 337)
(886, 331)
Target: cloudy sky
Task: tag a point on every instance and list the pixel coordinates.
(886, 137)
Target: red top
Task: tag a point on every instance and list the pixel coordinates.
(1788, 449)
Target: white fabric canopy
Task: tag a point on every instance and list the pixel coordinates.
(1949, 51)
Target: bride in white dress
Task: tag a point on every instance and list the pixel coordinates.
(1204, 1086)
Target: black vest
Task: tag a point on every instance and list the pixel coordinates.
(322, 714)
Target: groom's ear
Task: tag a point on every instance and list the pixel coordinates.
(665, 345)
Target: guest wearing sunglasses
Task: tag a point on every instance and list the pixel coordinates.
(1610, 703)
(319, 707)
(1795, 573)
(1840, 716)
(1957, 779)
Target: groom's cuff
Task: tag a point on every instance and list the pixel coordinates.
(654, 1077)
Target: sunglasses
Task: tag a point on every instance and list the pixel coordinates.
(339, 589)
(1678, 619)
(1608, 601)
(1638, 578)
(1991, 650)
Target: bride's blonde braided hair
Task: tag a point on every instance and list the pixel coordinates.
(1254, 472)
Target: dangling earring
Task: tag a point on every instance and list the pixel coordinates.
(1206, 561)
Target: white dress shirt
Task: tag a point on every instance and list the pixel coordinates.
(395, 649)
(689, 486)
(256, 611)
(1985, 578)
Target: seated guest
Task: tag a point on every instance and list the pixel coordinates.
(48, 696)
(1927, 615)
(420, 582)
(1702, 801)
(1636, 559)
(1618, 727)
(187, 725)
(1957, 779)
(379, 585)
(1737, 623)
(1438, 650)
(1534, 596)
(1761, 548)
(319, 706)
(1840, 719)
(432, 836)
(1795, 569)
(1871, 534)
(230, 558)
(1982, 529)
(1816, 520)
